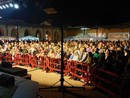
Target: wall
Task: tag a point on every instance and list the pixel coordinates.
(101, 31)
(3, 29)
(20, 30)
(73, 32)
(54, 34)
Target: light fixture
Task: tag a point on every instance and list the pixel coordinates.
(5, 4)
(16, 6)
(84, 28)
(11, 5)
(1, 7)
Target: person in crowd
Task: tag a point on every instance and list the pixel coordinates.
(89, 59)
(109, 60)
(72, 55)
(119, 62)
(83, 55)
(76, 56)
(126, 54)
(67, 55)
(101, 61)
(96, 55)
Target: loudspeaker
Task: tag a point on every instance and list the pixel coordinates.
(14, 71)
(6, 80)
(6, 65)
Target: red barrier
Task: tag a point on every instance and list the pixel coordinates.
(47, 61)
(66, 68)
(86, 73)
(55, 66)
(24, 60)
(80, 71)
(17, 59)
(108, 82)
(42, 62)
(74, 68)
(7, 57)
(51, 64)
(33, 61)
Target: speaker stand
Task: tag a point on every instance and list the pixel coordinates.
(62, 88)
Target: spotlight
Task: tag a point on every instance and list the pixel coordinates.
(7, 5)
(3, 6)
(10, 4)
(16, 6)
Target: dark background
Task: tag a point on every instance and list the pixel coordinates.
(70, 12)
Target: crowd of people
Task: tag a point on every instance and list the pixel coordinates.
(112, 55)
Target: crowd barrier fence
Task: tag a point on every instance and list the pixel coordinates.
(73, 68)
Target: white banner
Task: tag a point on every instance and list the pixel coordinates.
(119, 36)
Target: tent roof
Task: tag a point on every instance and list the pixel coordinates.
(7, 38)
(31, 38)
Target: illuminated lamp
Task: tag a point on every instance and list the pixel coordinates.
(1, 7)
(11, 5)
(16, 6)
(4, 7)
(7, 6)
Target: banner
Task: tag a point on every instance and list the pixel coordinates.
(118, 36)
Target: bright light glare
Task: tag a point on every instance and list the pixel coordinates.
(10, 4)
(16, 6)
(4, 6)
(7, 5)
(1, 7)
(84, 28)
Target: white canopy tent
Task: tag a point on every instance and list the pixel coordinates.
(83, 37)
(7, 38)
(80, 37)
(30, 38)
(70, 38)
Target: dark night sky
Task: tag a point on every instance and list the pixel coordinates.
(92, 12)
(72, 12)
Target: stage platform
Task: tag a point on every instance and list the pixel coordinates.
(23, 88)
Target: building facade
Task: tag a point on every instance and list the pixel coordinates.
(54, 33)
